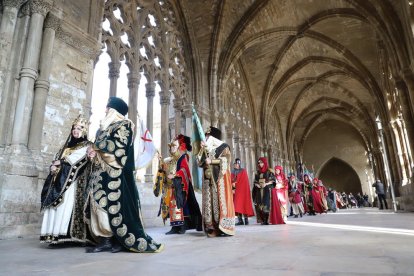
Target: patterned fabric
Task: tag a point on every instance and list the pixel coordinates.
(218, 207)
(114, 189)
(62, 198)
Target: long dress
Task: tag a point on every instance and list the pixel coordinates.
(62, 198)
(218, 208)
(114, 207)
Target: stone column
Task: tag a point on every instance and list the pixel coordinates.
(42, 84)
(114, 67)
(133, 83)
(270, 156)
(9, 92)
(7, 29)
(28, 73)
(188, 114)
(222, 122)
(242, 151)
(178, 105)
(237, 147)
(247, 159)
(165, 98)
(229, 139)
(150, 94)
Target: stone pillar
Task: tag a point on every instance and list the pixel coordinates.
(229, 139)
(8, 91)
(178, 105)
(270, 156)
(7, 29)
(133, 83)
(114, 67)
(150, 94)
(222, 122)
(242, 151)
(188, 114)
(247, 159)
(237, 147)
(253, 158)
(42, 84)
(28, 73)
(165, 98)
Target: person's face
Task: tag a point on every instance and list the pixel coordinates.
(260, 163)
(306, 177)
(77, 131)
(236, 165)
(173, 147)
(277, 171)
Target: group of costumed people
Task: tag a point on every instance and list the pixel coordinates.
(90, 195)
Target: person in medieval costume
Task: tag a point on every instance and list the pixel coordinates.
(114, 211)
(316, 196)
(62, 195)
(265, 196)
(308, 188)
(295, 196)
(242, 196)
(218, 208)
(178, 201)
(281, 189)
(323, 193)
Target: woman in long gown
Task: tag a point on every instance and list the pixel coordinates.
(62, 194)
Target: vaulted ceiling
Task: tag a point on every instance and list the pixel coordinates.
(305, 60)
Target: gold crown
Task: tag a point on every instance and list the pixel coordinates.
(81, 122)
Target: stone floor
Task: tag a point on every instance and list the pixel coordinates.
(350, 242)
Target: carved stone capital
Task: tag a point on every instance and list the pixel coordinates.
(13, 3)
(52, 21)
(177, 103)
(150, 90)
(165, 98)
(114, 69)
(40, 6)
(133, 80)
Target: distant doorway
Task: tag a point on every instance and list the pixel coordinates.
(340, 176)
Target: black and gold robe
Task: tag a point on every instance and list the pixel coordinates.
(113, 189)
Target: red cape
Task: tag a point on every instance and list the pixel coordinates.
(242, 197)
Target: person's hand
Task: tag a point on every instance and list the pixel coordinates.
(56, 163)
(208, 161)
(53, 168)
(257, 185)
(170, 176)
(202, 144)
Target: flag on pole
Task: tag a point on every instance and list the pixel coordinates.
(197, 136)
(144, 148)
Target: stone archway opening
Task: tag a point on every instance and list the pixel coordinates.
(340, 176)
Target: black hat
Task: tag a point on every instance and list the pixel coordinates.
(118, 104)
(237, 161)
(215, 132)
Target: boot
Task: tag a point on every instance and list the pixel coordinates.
(174, 230)
(104, 245)
(181, 229)
(246, 221)
(265, 219)
(240, 220)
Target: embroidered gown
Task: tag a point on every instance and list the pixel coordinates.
(218, 208)
(114, 208)
(63, 199)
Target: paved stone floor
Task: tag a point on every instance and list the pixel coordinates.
(350, 242)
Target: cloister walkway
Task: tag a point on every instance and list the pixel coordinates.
(350, 242)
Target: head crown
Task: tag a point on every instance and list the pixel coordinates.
(83, 123)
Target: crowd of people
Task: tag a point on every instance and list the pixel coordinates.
(90, 195)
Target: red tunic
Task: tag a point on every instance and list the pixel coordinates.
(242, 197)
(275, 216)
